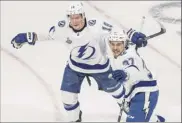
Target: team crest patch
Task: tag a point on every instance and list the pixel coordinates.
(68, 41)
(61, 23)
(92, 22)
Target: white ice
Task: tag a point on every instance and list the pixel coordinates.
(31, 76)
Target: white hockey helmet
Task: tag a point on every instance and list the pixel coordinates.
(118, 36)
(76, 8)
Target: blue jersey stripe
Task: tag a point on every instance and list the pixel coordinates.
(90, 67)
(142, 84)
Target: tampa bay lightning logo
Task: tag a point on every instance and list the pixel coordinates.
(84, 52)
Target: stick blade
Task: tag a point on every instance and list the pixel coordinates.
(163, 29)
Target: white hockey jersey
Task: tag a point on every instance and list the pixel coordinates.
(87, 48)
(139, 79)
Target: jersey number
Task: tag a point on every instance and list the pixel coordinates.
(107, 26)
(129, 61)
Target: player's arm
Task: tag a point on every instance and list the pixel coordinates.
(32, 37)
(136, 37)
(130, 71)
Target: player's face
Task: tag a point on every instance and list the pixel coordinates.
(77, 21)
(117, 47)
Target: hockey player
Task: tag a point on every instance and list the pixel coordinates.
(85, 38)
(141, 90)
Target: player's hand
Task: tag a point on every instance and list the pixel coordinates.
(137, 38)
(119, 75)
(23, 38)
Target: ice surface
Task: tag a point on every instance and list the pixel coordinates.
(31, 76)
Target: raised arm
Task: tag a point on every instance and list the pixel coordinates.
(136, 37)
(31, 38)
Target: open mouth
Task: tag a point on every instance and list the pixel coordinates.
(116, 52)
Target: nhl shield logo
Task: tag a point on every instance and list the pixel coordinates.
(61, 23)
(92, 22)
(68, 41)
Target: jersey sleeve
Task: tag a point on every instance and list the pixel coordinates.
(52, 32)
(47, 36)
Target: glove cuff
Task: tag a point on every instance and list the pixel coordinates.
(31, 37)
(130, 34)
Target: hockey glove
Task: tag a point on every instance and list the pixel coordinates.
(119, 75)
(137, 38)
(23, 38)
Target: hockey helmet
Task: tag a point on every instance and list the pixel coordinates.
(76, 8)
(118, 36)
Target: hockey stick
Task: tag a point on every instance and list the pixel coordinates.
(162, 31)
(121, 111)
(88, 80)
(142, 23)
(120, 115)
